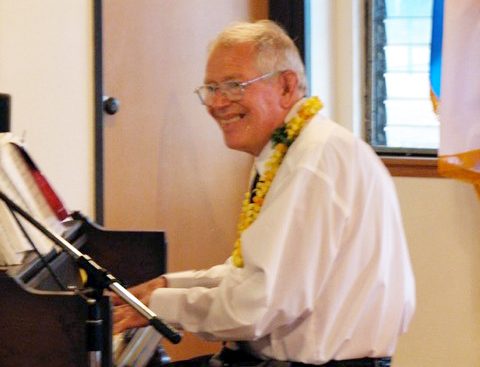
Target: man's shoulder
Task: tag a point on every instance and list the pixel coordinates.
(322, 131)
(325, 140)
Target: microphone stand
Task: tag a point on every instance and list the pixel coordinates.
(98, 277)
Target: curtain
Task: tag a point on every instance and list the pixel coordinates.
(459, 109)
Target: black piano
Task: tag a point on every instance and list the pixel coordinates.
(43, 325)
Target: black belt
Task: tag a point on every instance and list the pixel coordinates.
(361, 362)
(240, 358)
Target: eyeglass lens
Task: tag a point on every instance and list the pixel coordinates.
(232, 91)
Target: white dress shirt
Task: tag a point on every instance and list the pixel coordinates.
(327, 272)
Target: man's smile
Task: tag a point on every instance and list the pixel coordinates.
(229, 119)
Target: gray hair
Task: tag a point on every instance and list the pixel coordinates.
(276, 51)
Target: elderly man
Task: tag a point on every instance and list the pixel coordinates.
(320, 273)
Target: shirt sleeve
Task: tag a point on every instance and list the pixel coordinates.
(288, 251)
(197, 278)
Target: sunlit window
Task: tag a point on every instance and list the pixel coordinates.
(401, 116)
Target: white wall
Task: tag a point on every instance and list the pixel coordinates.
(442, 219)
(46, 65)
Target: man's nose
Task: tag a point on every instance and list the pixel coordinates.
(218, 99)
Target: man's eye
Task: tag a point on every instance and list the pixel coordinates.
(210, 88)
(232, 85)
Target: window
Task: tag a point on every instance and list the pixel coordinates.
(369, 62)
(400, 116)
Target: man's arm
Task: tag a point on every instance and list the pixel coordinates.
(126, 317)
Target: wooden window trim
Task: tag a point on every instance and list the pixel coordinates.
(411, 166)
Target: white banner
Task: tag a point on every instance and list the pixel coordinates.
(459, 111)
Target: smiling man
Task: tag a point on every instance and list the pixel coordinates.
(247, 119)
(320, 273)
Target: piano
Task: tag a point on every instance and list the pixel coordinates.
(43, 325)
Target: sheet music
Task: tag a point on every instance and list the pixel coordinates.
(15, 245)
(17, 182)
(18, 171)
(11, 254)
(12, 240)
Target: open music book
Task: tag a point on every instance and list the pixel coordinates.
(23, 183)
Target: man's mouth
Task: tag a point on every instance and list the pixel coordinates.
(231, 119)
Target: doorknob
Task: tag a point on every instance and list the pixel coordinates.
(111, 105)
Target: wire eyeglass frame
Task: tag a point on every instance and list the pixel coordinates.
(232, 90)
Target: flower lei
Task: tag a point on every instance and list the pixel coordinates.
(282, 138)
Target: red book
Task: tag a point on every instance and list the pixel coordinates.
(44, 186)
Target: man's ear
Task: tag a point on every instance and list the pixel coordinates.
(289, 88)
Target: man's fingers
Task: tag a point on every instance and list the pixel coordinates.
(125, 317)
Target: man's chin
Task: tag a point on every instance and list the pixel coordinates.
(243, 148)
(235, 145)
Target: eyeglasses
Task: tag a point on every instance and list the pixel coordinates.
(232, 90)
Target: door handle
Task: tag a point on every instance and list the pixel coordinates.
(111, 105)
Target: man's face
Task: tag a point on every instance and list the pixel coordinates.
(247, 124)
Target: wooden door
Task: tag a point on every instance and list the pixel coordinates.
(165, 165)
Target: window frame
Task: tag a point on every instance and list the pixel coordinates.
(406, 162)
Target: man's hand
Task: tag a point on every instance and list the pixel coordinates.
(124, 316)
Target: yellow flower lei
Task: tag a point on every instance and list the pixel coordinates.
(282, 138)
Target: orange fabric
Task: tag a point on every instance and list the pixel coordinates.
(463, 166)
(435, 101)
